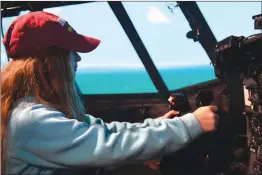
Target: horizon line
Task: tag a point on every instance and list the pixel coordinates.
(133, 66)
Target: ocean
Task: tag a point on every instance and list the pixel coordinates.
(127, 81)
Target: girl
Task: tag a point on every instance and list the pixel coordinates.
(44, 126)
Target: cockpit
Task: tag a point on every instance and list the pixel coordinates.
(150, 51)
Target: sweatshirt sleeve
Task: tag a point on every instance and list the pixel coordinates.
(48, 138)
(119, 126)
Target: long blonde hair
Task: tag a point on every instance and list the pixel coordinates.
(48, 77)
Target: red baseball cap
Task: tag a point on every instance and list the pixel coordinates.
(35, 32)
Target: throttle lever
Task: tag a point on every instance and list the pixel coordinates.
(198, 155)
(179, 102)
(205, 98)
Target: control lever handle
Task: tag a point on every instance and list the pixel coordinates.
(179, 102)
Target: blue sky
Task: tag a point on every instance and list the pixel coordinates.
(163, 32)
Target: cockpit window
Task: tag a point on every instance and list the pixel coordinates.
(230, 18)
(5, 22)
(114, 67)
(163, 28)
(4, 60)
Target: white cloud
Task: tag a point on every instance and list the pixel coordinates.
(154, 15)
(56, 10)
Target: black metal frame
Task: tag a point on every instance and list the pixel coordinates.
(198, 23)
(190, 10)
(126, 23)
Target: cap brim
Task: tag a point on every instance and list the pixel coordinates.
(80, 43)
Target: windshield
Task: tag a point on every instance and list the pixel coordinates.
(180, 61)
(115, 68)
